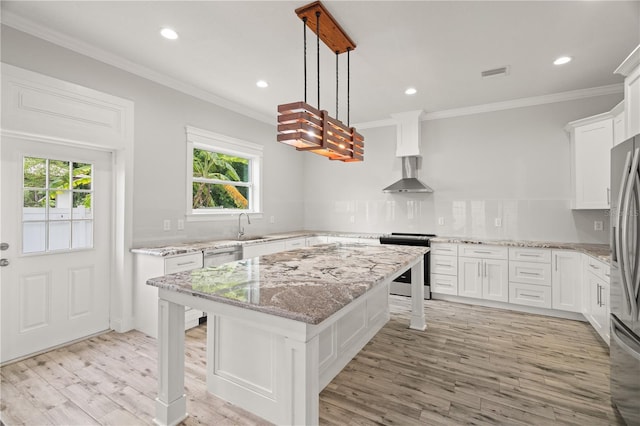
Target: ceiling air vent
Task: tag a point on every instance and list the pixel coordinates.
(495, 72)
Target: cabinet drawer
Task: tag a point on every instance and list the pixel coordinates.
(482, 251)
(446, 249)
(530, 273)
(191, 318)
(445, 284)
(447, 265)
(293, 244)
(530, 255)
(181, 263)
(600, 269)
(530, 295)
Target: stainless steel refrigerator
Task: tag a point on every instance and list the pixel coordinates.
(625, 279)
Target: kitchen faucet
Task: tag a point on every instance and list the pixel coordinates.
(241, 229)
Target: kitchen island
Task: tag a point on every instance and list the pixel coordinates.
(281, 326)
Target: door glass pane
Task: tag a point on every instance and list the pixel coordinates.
(82, 234)
(59, 235)
(34, 237)
(58, 174)
(82, 205)
(82, 175)
(34, 172)
(55, 193)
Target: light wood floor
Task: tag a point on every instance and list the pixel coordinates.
(473, 365)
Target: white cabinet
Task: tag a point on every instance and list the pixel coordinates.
(591, 143)
(483, 272)
(596, 295)
(145, 297)
(262, 249)
(567, 281)
(619, 124)
(295, 243)
(444, 268)
(315, 240)
(630, 68)
(530, 277)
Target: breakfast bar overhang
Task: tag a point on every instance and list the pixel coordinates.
(280, 327)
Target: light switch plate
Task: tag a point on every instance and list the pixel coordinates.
(440, 221)
(497, 222)
(180, 224)
(597, 225)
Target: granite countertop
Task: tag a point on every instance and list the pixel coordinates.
(195, 246)
(599, 251)
(307, 284)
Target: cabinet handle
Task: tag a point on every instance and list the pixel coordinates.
(529, 255)
(556, 261)
(608, 196)
(598, 295)
(191, 262)
(533, 274)
(443, 264)
(593, 266)
(533, 296)
(481, 252)
(485, 269)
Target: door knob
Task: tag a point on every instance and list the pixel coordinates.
(4, 246)
(4, 262)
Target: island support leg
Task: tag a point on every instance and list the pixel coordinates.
(171, 403)
(417, 297)
(304, 393)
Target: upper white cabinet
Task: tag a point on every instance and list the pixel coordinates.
(591, 143)
(619, 124)
(630, 69)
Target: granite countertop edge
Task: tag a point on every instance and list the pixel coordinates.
(598, 251)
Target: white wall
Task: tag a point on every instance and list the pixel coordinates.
(161, 114)
(511, 164)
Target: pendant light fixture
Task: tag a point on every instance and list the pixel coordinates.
(312, 129)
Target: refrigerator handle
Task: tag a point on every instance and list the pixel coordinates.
(618, 330)
(625, 254)
(620, 236)
(635, 284)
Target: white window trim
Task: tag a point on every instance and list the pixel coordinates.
(204, 139)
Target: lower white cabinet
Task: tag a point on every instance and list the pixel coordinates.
(566, 281)
(530, 277)
(145, 297)
(444, 268)
(483, 278)
(262, 249)
(596, 296)
(315, 240)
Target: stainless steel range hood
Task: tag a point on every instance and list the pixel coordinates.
(408, 149)
(409, 181)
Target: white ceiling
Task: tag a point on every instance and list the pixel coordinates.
(440, 48)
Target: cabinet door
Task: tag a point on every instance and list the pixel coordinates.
(591, 151)
(495, 283)
(316, 240)
(262, 249)
(469, 277)
(632, 102)
(294, 243)
(566, 281)
(598, 308)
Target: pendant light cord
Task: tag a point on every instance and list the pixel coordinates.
(348, 85)
(318, 52)
(337, 86)
(304, 32)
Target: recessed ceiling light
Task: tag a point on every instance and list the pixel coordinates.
(562, 60)
(262, 84)
(169, 34)
(410, 91)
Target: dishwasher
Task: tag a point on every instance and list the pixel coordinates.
(216, 257)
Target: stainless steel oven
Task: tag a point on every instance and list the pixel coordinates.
(402, 284)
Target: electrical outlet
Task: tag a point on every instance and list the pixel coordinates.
(441, 221)
(180, 224)
(497, 222)
(272, 219)
(352, 219)
(597, 225)
(166, 225)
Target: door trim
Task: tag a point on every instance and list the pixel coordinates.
(62, 125)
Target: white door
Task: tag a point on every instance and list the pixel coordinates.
(56, 214)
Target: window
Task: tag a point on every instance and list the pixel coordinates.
(223, 174)
(57, 209)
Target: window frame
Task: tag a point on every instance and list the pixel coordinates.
(215, 142)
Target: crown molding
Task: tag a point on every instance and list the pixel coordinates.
(630, 63)
(27, 26)
(500, 106)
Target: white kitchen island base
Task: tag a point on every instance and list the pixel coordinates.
(272, 366)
